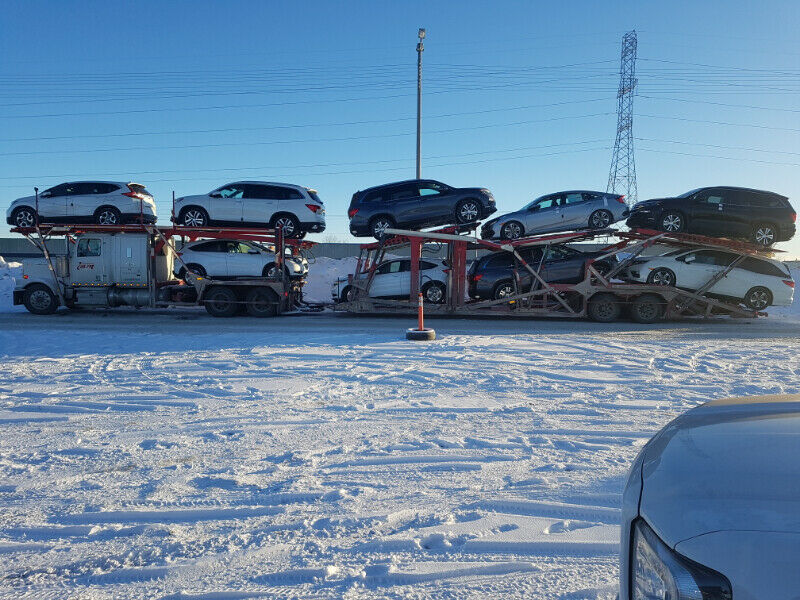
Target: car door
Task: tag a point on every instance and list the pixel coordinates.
(574, 208)
(226, 204)
(212, 256)
(388, 280)
(260, 202)
(708, 212)
(436, 204)
(83, 200)
(243, 260)
(53, 203)
(405, 205)
(543, 215)
(739, 213)
(733, 281)
(563, 265)
(694, 269)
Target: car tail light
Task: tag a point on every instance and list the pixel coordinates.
(352, 212)
(621, 199)
(794, 217)
(477, 278)
(789, 282)
(313, 207)
(446, 270)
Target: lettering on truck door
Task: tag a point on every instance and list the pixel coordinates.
(88, 266)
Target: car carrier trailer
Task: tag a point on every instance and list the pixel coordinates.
(107, 266)
(598, 296)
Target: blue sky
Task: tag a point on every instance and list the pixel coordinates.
(519, 96)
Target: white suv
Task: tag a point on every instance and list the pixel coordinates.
(101, 202)
(235, 258)
(255, 203)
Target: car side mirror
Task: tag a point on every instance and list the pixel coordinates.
(689, 259)
(534, 208)
(215, 195)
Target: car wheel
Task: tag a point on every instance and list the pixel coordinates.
(270, 271)
(758, 298)
(504, 289)
(379, 225)
(261, 302)
(344, 294)
(289, 224)
(647, 308)
(221, 302)
(196, 269)
(108, 215)
(672, 221)
(604, 308)
(511, 231)
(40, 299)
(24, 217)
(661, 276)
(600, 219)
(764, 235)
(350, 294)
(434, 292)
(194, 217)
(468, 211)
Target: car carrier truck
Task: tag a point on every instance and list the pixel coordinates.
(111, 266)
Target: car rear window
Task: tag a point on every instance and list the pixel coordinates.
(314, 196)
(373, 196)
(762, 267)
(135, 187)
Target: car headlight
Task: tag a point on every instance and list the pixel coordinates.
(658, 573)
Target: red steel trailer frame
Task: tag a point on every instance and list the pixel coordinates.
(597, 296)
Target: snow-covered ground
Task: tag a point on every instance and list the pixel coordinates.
(167, 454)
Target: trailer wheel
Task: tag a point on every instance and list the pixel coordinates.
(261, 302)
(40, 299)
(221, 302)
(604, 308)
(647, 308)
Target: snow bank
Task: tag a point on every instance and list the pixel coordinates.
(9, 273)
(322, 273)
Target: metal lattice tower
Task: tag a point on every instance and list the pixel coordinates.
(622, 177)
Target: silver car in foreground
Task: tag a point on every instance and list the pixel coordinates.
(562, 211)
(711, 509)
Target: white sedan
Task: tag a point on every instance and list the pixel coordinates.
(711, 509)
(393, 280)
(234, 258)
(758, 282)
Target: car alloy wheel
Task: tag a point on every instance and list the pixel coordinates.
(287, 224)
(600, 219)
(194, 218)
(758, 298)
(764, 235)
(468, 212)
(512, 231)
(672, 222)
(108, 217)
(661, 277)
(504, 290)
(434, 293)
(25, 218)
(379, 227)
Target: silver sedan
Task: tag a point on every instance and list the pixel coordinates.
(562, 211)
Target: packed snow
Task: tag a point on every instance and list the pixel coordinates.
(167, 454)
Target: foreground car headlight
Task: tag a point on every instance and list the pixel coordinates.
(658, 573)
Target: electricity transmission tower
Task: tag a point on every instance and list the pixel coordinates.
(622, 177)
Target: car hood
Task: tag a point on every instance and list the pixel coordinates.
(727, 465)
(652, 202)
(29, 200)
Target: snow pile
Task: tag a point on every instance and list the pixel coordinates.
(9, 273)
(322, 273)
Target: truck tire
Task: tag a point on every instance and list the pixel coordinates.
(261, 302)
(647, 308)
(604, 308)
(221, 302)
(40, 299)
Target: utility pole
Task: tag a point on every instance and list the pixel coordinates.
(420, 48)
(622, 176)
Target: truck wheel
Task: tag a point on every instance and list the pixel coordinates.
(647, 308)
(221, 302)
(604, 308)
(262, 302)
(40, 299)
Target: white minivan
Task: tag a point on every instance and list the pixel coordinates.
(296, 209)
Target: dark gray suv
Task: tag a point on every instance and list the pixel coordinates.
(416, 204)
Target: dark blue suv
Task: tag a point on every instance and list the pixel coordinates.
(416, 204)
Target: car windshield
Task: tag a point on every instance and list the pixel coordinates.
(532, 202)
(673, 252)
(690, 193)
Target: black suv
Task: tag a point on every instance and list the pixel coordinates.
(760, 217)
(416, 204)
(491, 277)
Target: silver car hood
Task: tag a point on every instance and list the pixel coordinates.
(727, 465)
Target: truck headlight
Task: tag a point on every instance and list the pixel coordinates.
(658, 573)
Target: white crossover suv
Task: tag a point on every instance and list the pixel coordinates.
(711, 508)
(393, 280)
(758, 282)
(296, 209)
(234, 258)
(100, 202)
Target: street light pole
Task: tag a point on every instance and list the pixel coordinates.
(420, 48)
